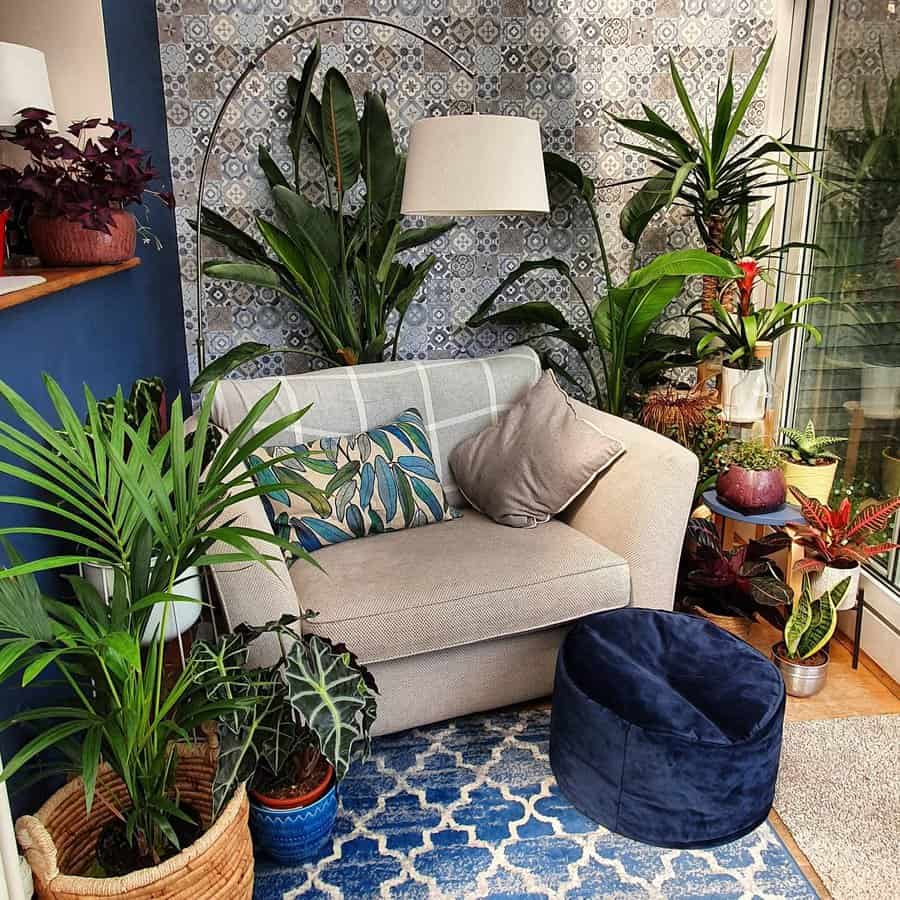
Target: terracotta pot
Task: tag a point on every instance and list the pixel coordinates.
(306, 799)
(814, 481)
(751, 492)
(59, 242)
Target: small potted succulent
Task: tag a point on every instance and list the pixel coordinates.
(80, 190)
(802, 654)
(807, 463)
(730, 587)
(752, 481)
(313, 709)
(837, 542)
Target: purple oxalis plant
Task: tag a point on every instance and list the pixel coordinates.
(85, 181)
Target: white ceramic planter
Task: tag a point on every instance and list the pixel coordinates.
(831, 576)
(182, 613)
(880, 395)
(744, 394)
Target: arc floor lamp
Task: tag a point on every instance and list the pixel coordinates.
(467, 165)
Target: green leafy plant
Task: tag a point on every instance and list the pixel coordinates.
(337, 262)
(620, 325)
(316, 700)
(812, 623)
(149, 511)
(710, 171)
(751, 455)
(805, 447)
(740, 334)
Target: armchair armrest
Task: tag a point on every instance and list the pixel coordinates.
(639, 508)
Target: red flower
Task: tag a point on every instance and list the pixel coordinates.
(750, 267)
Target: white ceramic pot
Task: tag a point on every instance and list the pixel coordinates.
(182, 615)
(880, 395)
(744, 394)
(831, 576)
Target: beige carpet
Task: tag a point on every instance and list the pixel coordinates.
(839, 795)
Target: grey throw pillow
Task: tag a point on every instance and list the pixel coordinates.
(532, 463)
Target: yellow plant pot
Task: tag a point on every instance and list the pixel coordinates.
(814, 481)
(890, 473)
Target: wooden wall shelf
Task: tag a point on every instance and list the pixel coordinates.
(59, 279)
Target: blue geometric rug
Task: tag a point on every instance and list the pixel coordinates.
(469, 808)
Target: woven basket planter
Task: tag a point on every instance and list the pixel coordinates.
(59, 842)
(736, 625)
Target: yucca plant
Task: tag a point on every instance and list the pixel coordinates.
(149, 510)
(338, 261)
(812, 622)
(710, 171)
(621, 325)
(830, 534)
(806, 447)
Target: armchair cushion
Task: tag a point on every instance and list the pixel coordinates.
(401, 594)
(340, 488)
(533, 462)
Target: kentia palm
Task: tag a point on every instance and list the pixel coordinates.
(621, 325)
(338, 264)
(150, 508)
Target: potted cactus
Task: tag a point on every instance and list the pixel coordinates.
(807, 463)
(752, 481)
(802, 655)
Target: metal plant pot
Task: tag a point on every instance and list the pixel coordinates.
(801, 680)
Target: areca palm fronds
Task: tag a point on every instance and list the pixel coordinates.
(338, 264)
(705, 169)
(150, 507)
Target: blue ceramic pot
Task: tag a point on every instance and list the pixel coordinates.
(293, 836)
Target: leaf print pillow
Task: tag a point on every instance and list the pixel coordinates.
(339, 488)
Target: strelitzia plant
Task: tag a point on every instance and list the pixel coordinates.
(621, 325)
(710, 171)
(804, 446)
(337, 262)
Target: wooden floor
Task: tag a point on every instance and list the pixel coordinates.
(866, 691)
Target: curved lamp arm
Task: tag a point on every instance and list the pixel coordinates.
(251, 67)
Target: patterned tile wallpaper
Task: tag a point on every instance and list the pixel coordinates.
(562, 62)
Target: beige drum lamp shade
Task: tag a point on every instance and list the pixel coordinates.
(475, 166)
(23, 82)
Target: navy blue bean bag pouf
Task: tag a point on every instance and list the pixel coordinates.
(665, 728)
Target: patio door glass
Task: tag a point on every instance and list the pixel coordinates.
(850, 385)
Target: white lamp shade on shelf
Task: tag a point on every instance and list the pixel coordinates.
(475, 166)
(24, 82)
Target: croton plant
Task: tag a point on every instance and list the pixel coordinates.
(831, 534)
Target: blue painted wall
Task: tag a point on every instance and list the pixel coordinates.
(107, 332)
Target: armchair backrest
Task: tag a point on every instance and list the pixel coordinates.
(456, 397)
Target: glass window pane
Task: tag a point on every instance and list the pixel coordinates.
(850, 385)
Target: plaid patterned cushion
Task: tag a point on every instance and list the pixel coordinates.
(340, 488)
(457, 398)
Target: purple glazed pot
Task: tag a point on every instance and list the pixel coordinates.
(751, 492)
